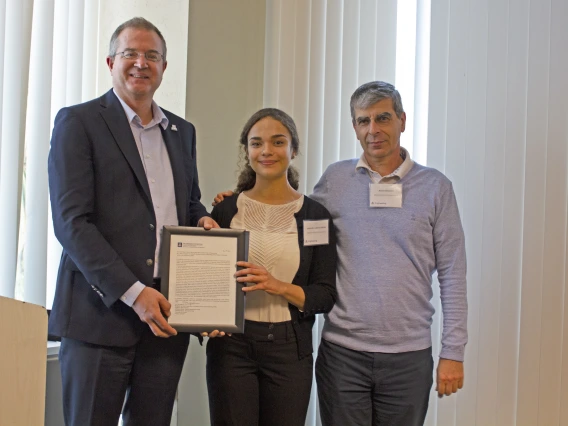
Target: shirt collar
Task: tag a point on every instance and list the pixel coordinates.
(401, 170)
(158, 116)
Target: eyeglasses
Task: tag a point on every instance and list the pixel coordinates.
(150, 55)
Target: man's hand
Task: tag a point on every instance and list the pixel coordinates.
(153, 309)
(449, 377)
(220, 197)
(207, 223)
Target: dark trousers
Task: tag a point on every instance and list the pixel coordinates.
(256, 378)
(367, 388)
(96, 380)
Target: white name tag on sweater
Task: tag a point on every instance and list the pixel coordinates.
(316, 232)
(384, 195)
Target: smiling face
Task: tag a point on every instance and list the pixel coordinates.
(136, 79)
(269, 149)
(378, 129)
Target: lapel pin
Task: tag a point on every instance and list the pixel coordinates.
(174, 128)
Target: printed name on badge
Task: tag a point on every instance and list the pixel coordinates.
(316, 232)
(383, 195)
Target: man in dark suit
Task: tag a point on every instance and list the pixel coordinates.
(119, 169)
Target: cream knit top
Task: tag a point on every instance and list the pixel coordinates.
(273, 243)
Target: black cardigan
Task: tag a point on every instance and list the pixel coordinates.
(316, 273)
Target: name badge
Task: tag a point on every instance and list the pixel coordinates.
(316, 232)
(383, 195)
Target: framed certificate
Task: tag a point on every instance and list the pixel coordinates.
(197, 269)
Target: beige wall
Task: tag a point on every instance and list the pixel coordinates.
(224, 83)
(225, 75)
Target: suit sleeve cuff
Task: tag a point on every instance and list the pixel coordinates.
(130, 295)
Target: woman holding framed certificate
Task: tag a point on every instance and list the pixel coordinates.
(264, 375)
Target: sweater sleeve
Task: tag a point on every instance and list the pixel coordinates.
(223, 212)
(449, 246)
(321, 192)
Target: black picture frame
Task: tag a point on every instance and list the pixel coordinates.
(191, 234)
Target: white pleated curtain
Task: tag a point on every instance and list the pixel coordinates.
(498, 129)
(484, 86)
(317, 53)
(49, 57)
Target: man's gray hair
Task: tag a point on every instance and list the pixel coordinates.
(140, 24)
(370, 93)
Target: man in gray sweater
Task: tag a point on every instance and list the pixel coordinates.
(397, 222)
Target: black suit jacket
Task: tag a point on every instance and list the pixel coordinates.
(104, 218)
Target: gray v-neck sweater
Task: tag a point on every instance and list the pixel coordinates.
(386, 258)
